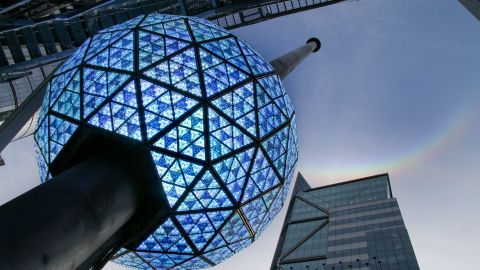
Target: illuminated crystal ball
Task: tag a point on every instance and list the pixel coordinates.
(212, 113)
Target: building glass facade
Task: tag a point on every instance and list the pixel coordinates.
(350, 225)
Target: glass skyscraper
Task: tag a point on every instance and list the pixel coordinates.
(349, 225)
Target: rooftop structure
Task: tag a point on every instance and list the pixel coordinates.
(350, 225)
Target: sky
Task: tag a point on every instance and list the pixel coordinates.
(395, 88)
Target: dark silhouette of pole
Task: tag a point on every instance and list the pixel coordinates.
(284, 64)
(63, 222)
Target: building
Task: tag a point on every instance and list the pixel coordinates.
(473, 6)
(349, 225)
(35, 36)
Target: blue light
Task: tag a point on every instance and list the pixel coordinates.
(212, 112)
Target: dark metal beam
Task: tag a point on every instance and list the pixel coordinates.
(61, 223)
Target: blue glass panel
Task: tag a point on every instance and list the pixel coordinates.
(218, 218)
(120, 114)
(217, 242)
(179, 71)
(262, 173)
(205, 194)
(198, 227)
(239, 106)
(100, 59)
(218, 74)
(273, 86)
(200, 32)
(292, 154)
(76, 58)
(101, 41)
(160, 73)
(127, 96)
(41, 136)
(95, 82)
(162, 162)
(235, 229)
(130, 259)
(179, 258)
(178, 29)
(90, 103)
(274, 208)
(162, 261)
(103, 118)
(121, 59)
(195, 263)
(225, 48)
(224, 137)
(254, 212)
(68, 104)
(166, 238)
(270, 116)
(42, 166)
(60, 132)
(151, 48)
(115, 80)
(187, 137)
(154, 18)
(208, 60)
(276, 148)
(204, 30)
(177, 178)
(236, 247)
(219, 255)
(121, 53)
(233, 170)
(251, 190)
(257, 64)
(59, 83)
(131, 128)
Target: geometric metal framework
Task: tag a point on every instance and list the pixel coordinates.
(350, 225)
(211, 111)
(303, 240)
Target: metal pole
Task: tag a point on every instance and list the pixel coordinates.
(61, 223)
(20, 115)
(284, 64)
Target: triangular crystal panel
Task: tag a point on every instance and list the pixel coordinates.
(162, 106)
(276, 148)
(180, 71)
(198, 227)
(186, 138)
(60, 132)
(204, 30)
(219, 74)
(224, 137)
(239, 105)
(233, 171)
(235, 230)
(207, 193)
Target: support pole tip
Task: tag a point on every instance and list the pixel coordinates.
(317, 42)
